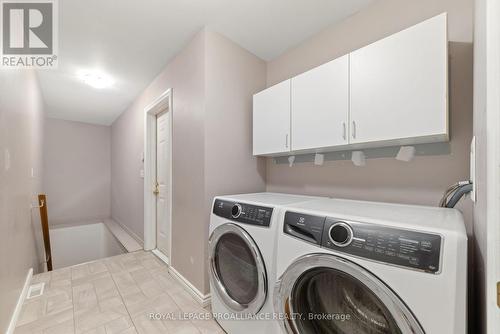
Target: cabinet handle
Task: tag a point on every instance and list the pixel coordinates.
(344, 133)
(286, 141)
(354, 129)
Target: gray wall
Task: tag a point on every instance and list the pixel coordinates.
(21, 139)
(77, 171)
(212, 81)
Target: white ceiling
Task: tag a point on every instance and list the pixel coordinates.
(132, 40)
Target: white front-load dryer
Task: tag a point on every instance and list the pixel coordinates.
(353, 267)
(242, 260)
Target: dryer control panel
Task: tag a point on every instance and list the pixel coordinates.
(243, 213)
(400, 247)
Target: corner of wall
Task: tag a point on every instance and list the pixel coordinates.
(21, 140)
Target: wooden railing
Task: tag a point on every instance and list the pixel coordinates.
(42, 202)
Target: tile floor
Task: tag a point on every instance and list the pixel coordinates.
(114, 295)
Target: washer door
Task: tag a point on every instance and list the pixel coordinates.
(237, 269)
(322, 293)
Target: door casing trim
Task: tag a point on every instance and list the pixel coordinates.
(162, 103)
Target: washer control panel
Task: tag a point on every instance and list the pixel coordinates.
(243, 213)
(400, 247)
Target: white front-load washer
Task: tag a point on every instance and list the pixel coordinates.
(242, 260)
(353, 267)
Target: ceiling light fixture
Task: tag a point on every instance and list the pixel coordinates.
(96, 79)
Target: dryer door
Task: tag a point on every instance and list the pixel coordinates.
(322, 293)
(237, 269)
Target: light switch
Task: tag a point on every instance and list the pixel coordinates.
(141, 173)
(473, 168)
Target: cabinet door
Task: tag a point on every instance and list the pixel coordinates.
(271, 120)
(399, 86)
(320, 106)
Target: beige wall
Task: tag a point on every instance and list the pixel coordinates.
(233, 75)
(422, 180)
(77, 171)
(212, 81)
(376, 21)
(185, 75)
(21, 139)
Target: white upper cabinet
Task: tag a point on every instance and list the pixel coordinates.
(271, 120)
(320, 106)
(399, 87)
(391, 92)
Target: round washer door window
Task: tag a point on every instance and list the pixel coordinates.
(334, 295)
(237, 269)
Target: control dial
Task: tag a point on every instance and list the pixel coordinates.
(236, 210)
(341, 234)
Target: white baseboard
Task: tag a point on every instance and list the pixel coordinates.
(129, 231)
(161, 256)
(202, 299)
(20, 301)
(127, 240)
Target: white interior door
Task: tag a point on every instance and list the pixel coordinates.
(162, 183)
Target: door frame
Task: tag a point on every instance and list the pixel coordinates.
(162, 103)
(492, 165)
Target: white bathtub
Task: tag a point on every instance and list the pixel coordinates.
(82, 243)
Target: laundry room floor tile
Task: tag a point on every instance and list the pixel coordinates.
(115, 295)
